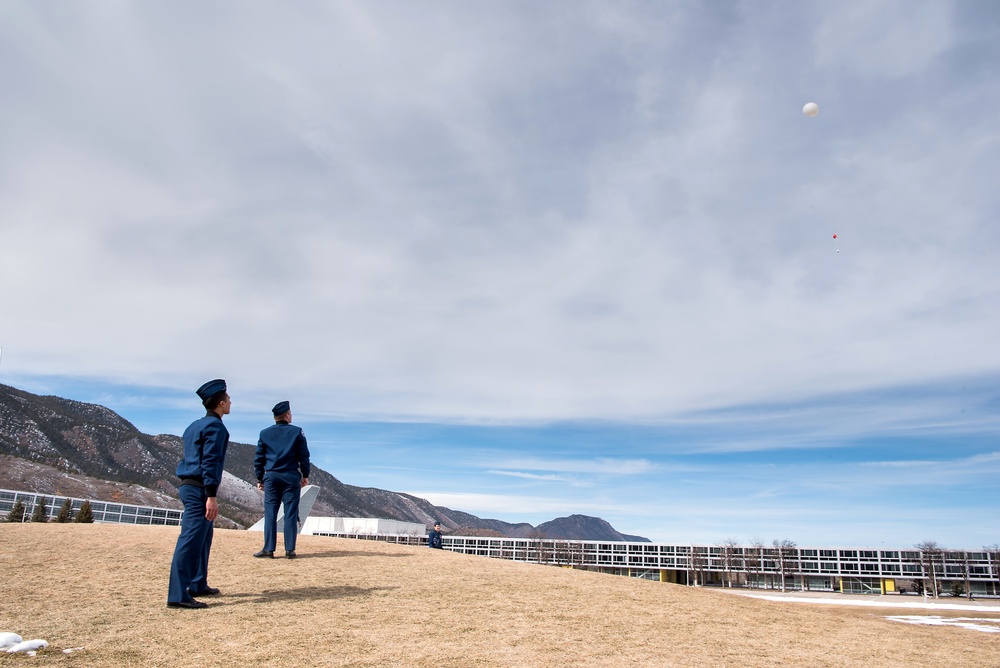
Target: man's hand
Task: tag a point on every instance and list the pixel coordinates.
(260, 486)
(211, 509)
(305, 481)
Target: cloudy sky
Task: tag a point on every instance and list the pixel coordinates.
(531, 259)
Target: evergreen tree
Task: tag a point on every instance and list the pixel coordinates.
(41, 512)
(16, 513)
(84, 515)
(66, 512)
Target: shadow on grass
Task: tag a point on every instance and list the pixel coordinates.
(304, 594)
(345, 553)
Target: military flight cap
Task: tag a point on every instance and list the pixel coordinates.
(211, 387)
(281, 408)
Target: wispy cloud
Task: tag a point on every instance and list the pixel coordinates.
(499, 504)
(575, 241)
(601, 466)
(957, 472)
(507, 246)
(531, 476)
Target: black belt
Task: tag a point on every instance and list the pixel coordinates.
(194, 482)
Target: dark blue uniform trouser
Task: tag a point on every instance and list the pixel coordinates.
(189, 568)
(281, 487)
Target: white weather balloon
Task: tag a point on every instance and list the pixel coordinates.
(811, 109)
(28, 646)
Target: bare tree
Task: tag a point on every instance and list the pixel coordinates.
(537, 537)
(785, 553)
(575, 553)
(545, 547)
(754, 558)
(930, 557)
(769, 564)
(993, 554)
(699, 561)
(966, 568)
(561, 552)
(730, 558)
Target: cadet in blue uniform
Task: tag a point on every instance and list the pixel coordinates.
(282, 454)
(205, 443)
(434, 537)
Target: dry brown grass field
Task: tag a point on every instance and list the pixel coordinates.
(358, 603)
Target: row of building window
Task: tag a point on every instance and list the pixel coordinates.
(888, 563)
(874, 569)
(719, 552)
(118, 513)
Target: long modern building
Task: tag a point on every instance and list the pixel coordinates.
(847, 570)
(103, 511)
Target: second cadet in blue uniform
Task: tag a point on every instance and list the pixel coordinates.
(282, 468)
(434, 537)
(200, 471)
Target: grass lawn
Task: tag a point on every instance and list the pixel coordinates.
(364, 603)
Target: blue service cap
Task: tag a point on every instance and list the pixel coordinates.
(211, 387)
(281, 408)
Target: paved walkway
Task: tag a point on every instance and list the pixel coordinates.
(871, 600)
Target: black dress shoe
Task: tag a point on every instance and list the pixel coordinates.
(211, 591)
(186, 604)
(289, 554)
(264, 554)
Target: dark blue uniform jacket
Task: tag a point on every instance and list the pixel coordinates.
(205, 443)
(281, 448)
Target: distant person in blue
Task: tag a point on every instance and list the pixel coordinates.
(200, 471)
(434, 537)
(282, 468)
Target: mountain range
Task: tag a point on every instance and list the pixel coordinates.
(58, 446)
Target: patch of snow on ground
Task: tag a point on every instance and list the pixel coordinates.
(984, 624)
(878, 602)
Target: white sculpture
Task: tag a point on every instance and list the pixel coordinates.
(307, 497)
